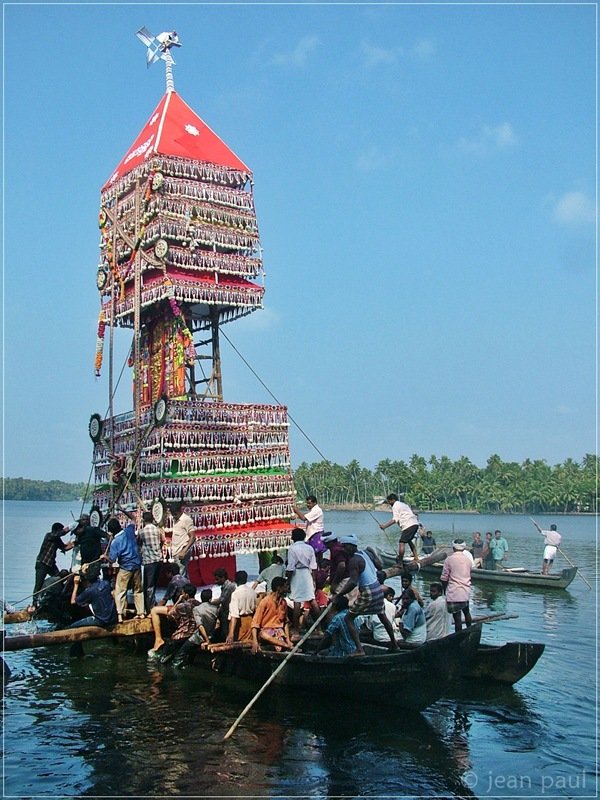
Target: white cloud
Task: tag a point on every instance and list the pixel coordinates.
(299, 55)
(373, 55)
(574, 208)
(373, 158)
(489, 139)
(423, 48)
(262, 320)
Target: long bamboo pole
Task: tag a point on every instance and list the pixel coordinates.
(134, 627)
(273, 675)
(566, 557)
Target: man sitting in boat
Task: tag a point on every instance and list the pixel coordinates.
(436, 613)
(413, 626)
(362, 573)
(456, 580)
(182, 613)
(270, 620)
(406, 580)
(276, 569)
(205, 617)
(241, 609)
(373, 626)
(341, 637)
(97, 595)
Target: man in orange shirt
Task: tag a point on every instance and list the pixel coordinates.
(270, 622)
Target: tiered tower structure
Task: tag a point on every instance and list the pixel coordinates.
(180, 256)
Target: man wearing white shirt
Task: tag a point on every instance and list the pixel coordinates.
(301, 571)
(315, 525)
(241, 609)
(404, 517)
(436, 613)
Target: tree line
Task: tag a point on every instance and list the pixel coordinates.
(433, 484)
(26, 489)
(439, 483)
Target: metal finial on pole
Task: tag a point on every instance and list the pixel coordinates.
(159, 47)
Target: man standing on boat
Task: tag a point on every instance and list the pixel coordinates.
(456, 580)
(151, 540)
(552, 540)
(124, 550)
(499, 549)
(315, 525)
(362, 573)
(183, 537)
(404, 517)
(301, 572)
(45, 563)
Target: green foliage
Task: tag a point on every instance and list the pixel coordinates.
(25, 489)
(532, 487)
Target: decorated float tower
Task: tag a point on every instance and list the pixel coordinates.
(179, 257)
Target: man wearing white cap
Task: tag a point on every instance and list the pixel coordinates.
(456, 580)
(362, 573)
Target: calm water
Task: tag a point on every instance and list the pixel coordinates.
(110, 725)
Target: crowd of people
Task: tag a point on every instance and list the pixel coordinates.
(328, 583)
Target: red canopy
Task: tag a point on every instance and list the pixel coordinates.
(175, 130)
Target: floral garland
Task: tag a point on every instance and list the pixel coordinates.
(187, 341)
(100, 343)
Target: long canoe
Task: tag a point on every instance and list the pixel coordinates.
(411, 677)
(514, 577)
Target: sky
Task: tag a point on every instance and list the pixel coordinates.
(425, 185)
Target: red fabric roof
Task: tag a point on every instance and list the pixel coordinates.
(175, 130)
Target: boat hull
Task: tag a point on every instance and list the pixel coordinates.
(560, 580)
(412, 677)
(506, 663)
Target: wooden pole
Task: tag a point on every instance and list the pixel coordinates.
(410, 566)
(274, 675)
(134, 627)
(566, 557)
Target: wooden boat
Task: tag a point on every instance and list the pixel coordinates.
(515, 577)
(505, 663)
(412, 677)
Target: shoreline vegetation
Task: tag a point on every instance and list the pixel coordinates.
(434, 485)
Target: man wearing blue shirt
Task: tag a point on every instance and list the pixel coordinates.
(124, 551)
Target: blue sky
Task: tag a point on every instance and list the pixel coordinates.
(425, 187)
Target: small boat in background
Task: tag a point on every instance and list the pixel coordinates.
(515, 576)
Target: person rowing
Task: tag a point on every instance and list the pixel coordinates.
(362, 573)
(552, 540)
(407, 521)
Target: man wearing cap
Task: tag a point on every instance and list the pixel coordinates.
(404, 517)
(363, 574)
(456, 580)
(183, 537)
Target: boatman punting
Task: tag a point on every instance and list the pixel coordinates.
(405, 518)
(552, 540)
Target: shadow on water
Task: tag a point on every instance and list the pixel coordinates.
(127, 728)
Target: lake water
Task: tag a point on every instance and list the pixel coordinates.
(111, 725)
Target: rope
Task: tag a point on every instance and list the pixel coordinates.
(300, 429)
